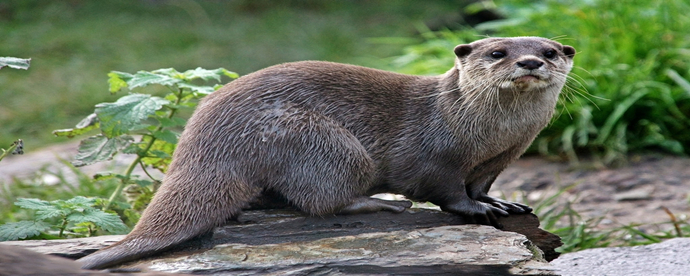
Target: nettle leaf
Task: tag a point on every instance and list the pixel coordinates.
(16, 63)
(170, 72)
(229, 74)
(171, 122)
(118, 80)
(204, 74)
(80, 203)
(51, 211)
(89, 123)
(22, 230)
(32, 203)
(161, 152)
(127, 113)
(197, 88)
(143, 78)
(99, 148)
(166, 135)
(106, 221)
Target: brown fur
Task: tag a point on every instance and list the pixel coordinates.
(324, 136)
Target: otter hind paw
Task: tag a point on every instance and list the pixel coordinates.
(366, 204)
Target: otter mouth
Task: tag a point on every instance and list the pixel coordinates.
(527, 78)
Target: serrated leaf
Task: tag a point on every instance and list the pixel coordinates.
(32, 203)
(127, 113)
(89, 123)
(16, 63)
(106, 221)
(170, 72)
(51, 212)
(99, 148)
(80, 202)
(143, 78)
(143, 182)
(166, 135)
(162, 152)
(171, 122)
(204, 74)
(118, 80)
(229, 74)
(197, 88)
(22, 230)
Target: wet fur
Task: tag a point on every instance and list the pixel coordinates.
(323, 135)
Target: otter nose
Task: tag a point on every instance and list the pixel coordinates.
(530, 64)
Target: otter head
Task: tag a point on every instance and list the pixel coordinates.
(519, 64)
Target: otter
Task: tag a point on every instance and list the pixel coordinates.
(325, 136)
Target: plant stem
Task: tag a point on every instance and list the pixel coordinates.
(140, 155)
(63, 226)
(8, 151)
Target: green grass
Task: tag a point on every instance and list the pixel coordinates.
(634, 54)
(629, 90)
(74, 44)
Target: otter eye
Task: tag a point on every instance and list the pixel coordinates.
(550, 54)
(498, 54)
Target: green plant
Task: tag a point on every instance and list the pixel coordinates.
(634, 55)
(154, 120)
(16, 63)
(629, 90)
(75, 217)
(17, 146)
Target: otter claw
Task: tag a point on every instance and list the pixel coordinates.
(508, 206)
(477, 212)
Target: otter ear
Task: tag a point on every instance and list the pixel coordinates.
(462, 50)
(569, 51)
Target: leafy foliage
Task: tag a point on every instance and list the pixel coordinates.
(77, 216)
(153, 119)
(632, 57)
(629, 90)
(16, 63)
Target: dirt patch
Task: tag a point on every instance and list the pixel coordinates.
(635, 193)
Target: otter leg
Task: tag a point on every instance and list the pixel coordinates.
(476, 211)
(480, 194)
(318, 165)
(365, 204)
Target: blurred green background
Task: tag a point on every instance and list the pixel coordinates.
(629, 91)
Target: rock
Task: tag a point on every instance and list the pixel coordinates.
(69, 248)
(445, 250)
(671, 257)
(285, 242)
(636, 194)
(16, 260)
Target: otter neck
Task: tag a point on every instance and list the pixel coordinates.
(482, 118)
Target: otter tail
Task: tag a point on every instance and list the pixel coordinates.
(188, 204)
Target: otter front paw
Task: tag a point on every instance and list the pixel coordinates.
(476, 212)
(508, 206)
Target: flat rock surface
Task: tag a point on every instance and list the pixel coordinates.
(285, 242)
(671, 257)
(445, 250)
